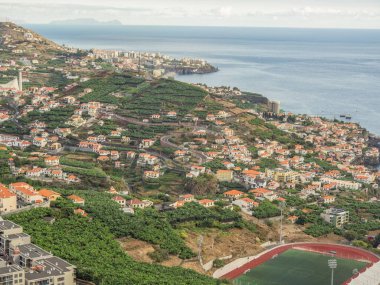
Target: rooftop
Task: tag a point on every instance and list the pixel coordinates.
(7, 225)
(32, 251)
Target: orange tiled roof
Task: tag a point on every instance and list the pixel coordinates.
(21, 184)
(26, 191)
(118, 198)
(75, 198)
(233, 193)
(5, 193)
(205, 201)
(328, 197)
(47, 193)
(260, 190)
(247, 200)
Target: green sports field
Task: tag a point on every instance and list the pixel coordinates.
(296, 267)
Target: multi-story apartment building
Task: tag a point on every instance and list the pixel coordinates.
(22, 262)
(11, 274)
(284, 176)
(342, 184)
(336, 217)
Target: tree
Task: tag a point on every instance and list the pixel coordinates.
(360, 243)
(376, 241)
(350, 235)
(266, 210)
(204, 184)
(301, 220)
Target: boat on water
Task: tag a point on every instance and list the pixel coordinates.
(342, 115)
(348, 117)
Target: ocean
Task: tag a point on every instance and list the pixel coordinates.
(324, 72)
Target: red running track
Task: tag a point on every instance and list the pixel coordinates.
(342, 251)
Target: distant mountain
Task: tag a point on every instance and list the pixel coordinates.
(86, 21)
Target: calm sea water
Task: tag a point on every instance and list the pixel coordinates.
(312, 71)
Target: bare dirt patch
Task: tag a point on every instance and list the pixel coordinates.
(137, 249)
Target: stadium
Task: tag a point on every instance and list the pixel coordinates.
(305, 263)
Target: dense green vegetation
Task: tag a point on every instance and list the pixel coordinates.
(357, 210)
(93, 172)
(319, 229)
(9, 127)
(357, 227)
(102, 88)
(267, 163)
(323, 164)
(105, 129)
(4, 168)
(204, 184)
(266, 131)
(53, 118)
(205, 217)
(266, 210)
(93, 249)
(163, 96)
(148, 225)
(214, 164)
(57, 80)
(142, 132)
(76, 163)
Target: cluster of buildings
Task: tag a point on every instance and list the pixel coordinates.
(329, 163)
(22, 262)
(17, 195)
(128, 205)
(154, 64)
(39, 166)
(187, 198)
(223, 91)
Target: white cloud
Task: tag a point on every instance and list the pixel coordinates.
(295, 13)
(225, 11)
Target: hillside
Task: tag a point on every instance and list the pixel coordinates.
(24, 42)
(161, 166)
(65, 85)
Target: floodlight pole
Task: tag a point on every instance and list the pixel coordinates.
(281, 227)
(332, 264)
(282, 206)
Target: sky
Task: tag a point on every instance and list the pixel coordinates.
(256, 13)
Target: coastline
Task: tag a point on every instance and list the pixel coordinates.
(284, 64)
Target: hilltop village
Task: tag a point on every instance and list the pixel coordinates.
(99, 141)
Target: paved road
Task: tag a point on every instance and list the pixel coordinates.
(165, 141)
(147, 124)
